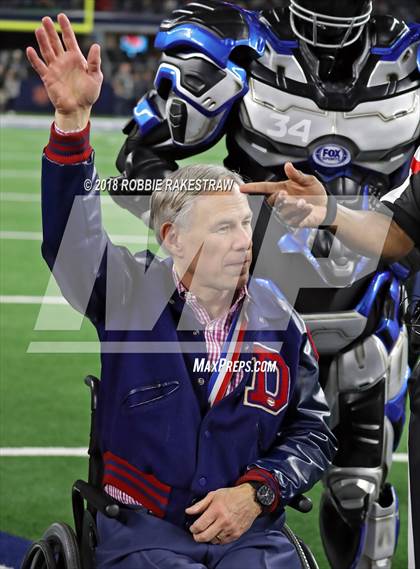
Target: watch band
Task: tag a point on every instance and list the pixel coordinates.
(265, 508)
(331, 212)
(256, 484)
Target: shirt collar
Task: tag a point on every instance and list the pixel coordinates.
(189, 297)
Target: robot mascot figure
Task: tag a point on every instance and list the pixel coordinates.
(326, 85)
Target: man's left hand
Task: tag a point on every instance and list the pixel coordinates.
(226, 514)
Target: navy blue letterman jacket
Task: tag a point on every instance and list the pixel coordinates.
(158, 446)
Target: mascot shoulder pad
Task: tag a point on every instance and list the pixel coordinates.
(213, 28)
(391, 37)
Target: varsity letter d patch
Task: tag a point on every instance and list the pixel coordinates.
(270, 385)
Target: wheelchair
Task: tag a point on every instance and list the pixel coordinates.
(61, 547)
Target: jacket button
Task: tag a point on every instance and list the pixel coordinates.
(207, 434)
(203, 481)
(201, 381)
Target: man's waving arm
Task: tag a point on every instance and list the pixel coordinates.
(74, 242)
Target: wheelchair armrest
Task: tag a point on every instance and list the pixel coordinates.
(301, 503)
(96, 498)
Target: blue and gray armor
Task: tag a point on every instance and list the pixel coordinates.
(352, 118)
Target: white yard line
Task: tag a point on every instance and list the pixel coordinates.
(81, 451)
(19, 197)
(37, 236)
(20, 174)
(13, 156)
(14, 299)
(21, 235)
(36, 198)
(34, 121)
(59, 347)
(43, 451)
(400, 457)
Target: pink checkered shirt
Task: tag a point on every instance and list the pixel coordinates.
(215, 330)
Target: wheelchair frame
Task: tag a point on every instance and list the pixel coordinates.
(61, 547)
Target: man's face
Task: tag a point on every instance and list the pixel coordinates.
(216, 242)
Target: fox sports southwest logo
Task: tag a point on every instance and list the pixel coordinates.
(331, 155)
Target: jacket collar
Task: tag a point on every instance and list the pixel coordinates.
(265, 305)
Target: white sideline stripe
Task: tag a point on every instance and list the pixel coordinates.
(10, 299)
(37, 236)
(43, 451)
(80, 451)
(5, 567)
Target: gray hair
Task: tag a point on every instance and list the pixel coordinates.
(173, 203)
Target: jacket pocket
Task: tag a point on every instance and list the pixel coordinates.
(146, 395)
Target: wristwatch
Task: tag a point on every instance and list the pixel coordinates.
(264, 495)
(331, 213)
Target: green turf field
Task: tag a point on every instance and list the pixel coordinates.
(43, 400)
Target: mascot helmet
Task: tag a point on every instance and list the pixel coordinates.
(329, 23)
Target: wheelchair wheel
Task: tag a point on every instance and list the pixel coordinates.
(63, 544)
(305, 554)
(39, 556)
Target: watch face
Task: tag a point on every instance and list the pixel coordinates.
(265, 495)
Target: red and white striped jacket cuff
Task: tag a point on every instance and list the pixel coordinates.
(69, 148)
(264, 476)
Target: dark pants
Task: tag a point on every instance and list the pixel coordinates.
(143, 541)
(414, 454)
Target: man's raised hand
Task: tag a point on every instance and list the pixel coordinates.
(73, 83)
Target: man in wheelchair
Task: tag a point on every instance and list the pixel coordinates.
(210, 416)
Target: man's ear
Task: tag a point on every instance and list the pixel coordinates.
(169, 233)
